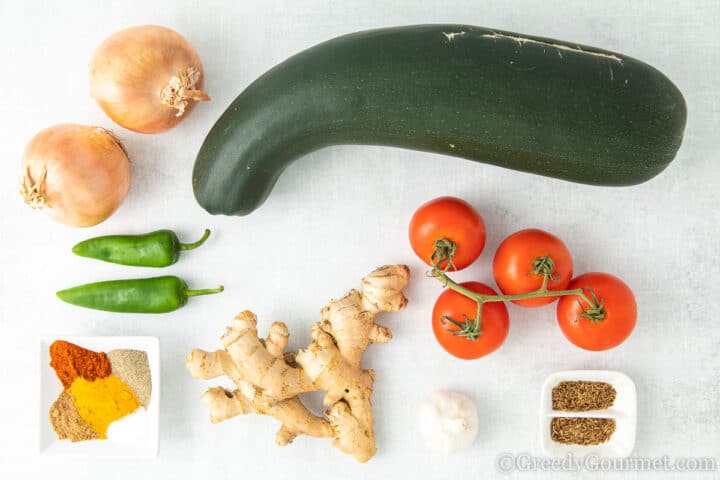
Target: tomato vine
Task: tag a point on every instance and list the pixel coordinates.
(471, 328)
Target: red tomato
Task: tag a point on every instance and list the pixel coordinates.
(618, 304)
(494, 324)
(450, 218)
(517, 258)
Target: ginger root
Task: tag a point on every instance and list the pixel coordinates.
(269, 380)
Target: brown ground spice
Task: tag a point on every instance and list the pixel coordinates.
(582, 396)
(66, 420)
(582, 431)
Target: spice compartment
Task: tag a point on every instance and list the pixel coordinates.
(136, 436)
(623, 411)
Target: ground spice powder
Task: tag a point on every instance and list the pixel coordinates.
(102, 401)
(582, 396)
(66, 420)
(582, 431)
(133, 368)
(71, 361)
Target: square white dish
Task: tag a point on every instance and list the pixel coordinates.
(623, 411)
(136, 438)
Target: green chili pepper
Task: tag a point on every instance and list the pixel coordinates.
(155, 249)
(141, 295)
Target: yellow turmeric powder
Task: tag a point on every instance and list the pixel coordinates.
(102, 401)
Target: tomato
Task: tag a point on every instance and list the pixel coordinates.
(519, 255)
(448, 218)
(618, 304)
(494, 324)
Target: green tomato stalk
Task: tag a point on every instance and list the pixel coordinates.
(471, 328)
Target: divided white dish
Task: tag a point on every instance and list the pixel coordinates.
(623, 411)
(135, 437)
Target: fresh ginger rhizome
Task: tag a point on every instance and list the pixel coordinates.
(269, 380)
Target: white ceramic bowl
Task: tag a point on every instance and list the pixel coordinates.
(135, 436)
(623, 411)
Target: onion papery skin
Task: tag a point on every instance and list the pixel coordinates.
(129, 71)
(86, 173)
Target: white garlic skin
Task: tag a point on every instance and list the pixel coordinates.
(448, 421)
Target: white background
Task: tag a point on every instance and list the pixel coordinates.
(338, 213)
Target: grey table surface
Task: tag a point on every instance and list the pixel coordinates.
(354, 202)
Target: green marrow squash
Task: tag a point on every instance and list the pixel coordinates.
(528, 103)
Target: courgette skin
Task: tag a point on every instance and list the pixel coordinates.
(528, 103)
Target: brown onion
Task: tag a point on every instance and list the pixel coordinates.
(78, 174)
(146, 78)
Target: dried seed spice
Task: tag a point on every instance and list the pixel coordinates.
(582, 396)
(582, 431)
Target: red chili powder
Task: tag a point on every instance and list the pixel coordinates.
(71, 361)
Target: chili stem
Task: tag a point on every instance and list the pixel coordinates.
(191, 246)
(205, 291)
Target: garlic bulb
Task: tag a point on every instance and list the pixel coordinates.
(448, 421)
